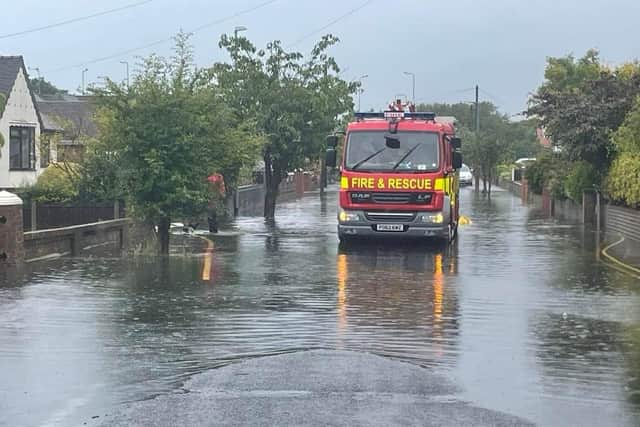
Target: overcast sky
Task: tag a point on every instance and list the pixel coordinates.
(450, 45)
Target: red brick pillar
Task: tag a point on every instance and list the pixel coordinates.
(11, 232)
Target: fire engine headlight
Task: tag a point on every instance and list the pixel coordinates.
(349, 216)
(431, 218)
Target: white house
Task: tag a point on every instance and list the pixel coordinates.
(20, 126)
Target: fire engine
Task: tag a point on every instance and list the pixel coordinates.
(398, 175)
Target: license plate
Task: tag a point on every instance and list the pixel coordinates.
(390, 227)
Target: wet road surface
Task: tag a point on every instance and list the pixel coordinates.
(519, 315)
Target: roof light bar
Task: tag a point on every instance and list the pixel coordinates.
(397, 115)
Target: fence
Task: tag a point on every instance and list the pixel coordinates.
(54, 215)
(624, 221)
(613, 219)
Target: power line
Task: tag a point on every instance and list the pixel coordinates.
(333, 22)
(444, 94)
(495, 98)
(74, 20)
(157, 42)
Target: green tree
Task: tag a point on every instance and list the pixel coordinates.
(623, 180)
(581, 103)
(293, 103)
(167, 131)
(45, 88)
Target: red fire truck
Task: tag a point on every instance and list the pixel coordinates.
(399, 176)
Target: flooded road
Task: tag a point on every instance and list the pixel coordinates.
(519, 314)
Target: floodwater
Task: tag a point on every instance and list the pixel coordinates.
(520, 314)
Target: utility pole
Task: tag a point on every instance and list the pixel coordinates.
(360, 90)
(477, 110)
(126, 63)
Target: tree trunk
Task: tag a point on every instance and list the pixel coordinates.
(323, 174)
(484, 184)
(490, 184)
(272, 176)
(270, 198)
(477, 181)
(163, 234)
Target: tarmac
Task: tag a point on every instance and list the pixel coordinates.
(311, 388)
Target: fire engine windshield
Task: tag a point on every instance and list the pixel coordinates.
(368, 151)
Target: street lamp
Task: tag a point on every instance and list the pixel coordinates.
(360, 90)
(238, 29)
(413, 79)
(83, 74)
(126, 64)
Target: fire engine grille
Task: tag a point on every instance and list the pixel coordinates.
(390, 216)
(391, 198)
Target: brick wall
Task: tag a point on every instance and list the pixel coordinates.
(11, 235)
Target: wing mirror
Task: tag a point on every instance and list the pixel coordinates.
(332, 141)
(457, 160)
(332, 158)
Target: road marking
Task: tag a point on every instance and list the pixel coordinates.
(611, 258)
(208, 259)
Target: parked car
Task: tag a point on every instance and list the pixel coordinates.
(466, 177)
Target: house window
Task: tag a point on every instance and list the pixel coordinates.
(22, 148)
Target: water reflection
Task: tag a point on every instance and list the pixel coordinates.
(404, 296)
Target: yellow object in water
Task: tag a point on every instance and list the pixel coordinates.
(464, 220)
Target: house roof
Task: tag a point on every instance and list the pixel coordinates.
(9, 68)
(75, 109)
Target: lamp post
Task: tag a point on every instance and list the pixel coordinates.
(360, 90)
(126, 64)
(413, 80)
(83, 74)
(238, 29)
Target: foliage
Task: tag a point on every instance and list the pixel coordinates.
(97, 176)
(535, 174)
(168, 132)
(582, 176)
(45, 88)
(55, 186)
(547, 172)
(293, 103)
(582, 102)
(627, 137)
(623, 180)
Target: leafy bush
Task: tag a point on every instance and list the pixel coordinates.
(55, 185)
(535, 174)
(547, 172)
(582, 176)
(623, 181)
